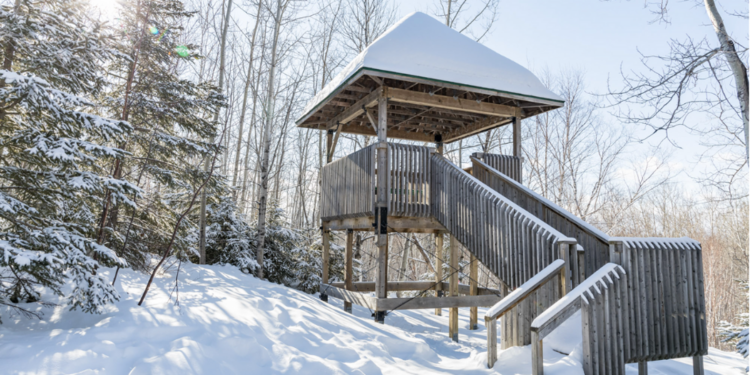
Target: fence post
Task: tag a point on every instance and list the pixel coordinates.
(491, 324)
(565, 256)
(537, 357)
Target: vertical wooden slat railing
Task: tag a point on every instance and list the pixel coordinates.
(409, 180)
(509, 241)
(647, 305)
(511, 166)
(666, 297)
(513, 299)
(348, 186)
(594, 242)
(602, 290)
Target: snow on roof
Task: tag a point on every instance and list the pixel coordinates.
(422, 47)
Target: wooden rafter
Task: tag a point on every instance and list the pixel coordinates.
(447, 102)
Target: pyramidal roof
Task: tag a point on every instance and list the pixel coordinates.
(420, 46)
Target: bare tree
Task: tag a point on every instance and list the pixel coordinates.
(573, 158)
(248, 82)
(695, 77)
(278, 18)
(473, 18)
(364, 22)
(202, 224)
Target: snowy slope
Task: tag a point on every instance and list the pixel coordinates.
(231, 323)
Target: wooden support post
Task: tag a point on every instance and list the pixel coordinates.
(325, 232)
(329, 145)
(698, 365)
(564, 255)
(348, 271)
(474, 287)
(439, 242)
(381, 206)
(491, 325)
(404, 263)
(517, 136)
(537, 355)
(642, 368)
(326, 253)
(439, 269)
(453, 315)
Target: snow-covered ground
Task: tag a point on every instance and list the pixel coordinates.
(228, 323)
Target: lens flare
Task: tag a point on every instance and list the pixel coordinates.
(153, 30)
(182, 51)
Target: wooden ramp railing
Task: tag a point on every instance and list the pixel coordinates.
(646, 305)
(511, 166)
(509, 241)
(516, 297)
(667, 310)
(594, 242)
(598, 283)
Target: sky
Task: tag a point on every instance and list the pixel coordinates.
(598, 38)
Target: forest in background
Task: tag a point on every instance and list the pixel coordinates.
(166, 133)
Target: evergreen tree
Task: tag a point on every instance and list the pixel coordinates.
(739, 334)
(229, 237)
(171, 116)
(53, 151)
(281, 243)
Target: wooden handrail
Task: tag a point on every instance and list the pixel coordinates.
(594, 241)
(547, 203)
(558, 313)
(513, 299)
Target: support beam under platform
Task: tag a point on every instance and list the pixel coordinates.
(369, 286)
(395, 224)
(388, 304)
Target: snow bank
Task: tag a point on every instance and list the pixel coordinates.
(231, 323)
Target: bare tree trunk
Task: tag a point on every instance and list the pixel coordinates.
(248, 79)
(739, 70)
(168, 249)
(250, 136)
(202, 224)
(263, 196)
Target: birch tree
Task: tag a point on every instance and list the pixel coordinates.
(202, 224)
(695, 77)
(277, 15)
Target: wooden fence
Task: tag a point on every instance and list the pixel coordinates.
(511, 166)
(594, 242)
(666, 305)
(646, 305)
(409, 180)
(348, 185)
(604, 319)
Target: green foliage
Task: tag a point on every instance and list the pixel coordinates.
(173, 133)
(55, 153)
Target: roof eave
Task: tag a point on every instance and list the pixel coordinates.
(432, 81)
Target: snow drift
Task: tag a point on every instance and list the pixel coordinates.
(228, 322)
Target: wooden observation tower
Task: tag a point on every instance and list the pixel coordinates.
(422, 81)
